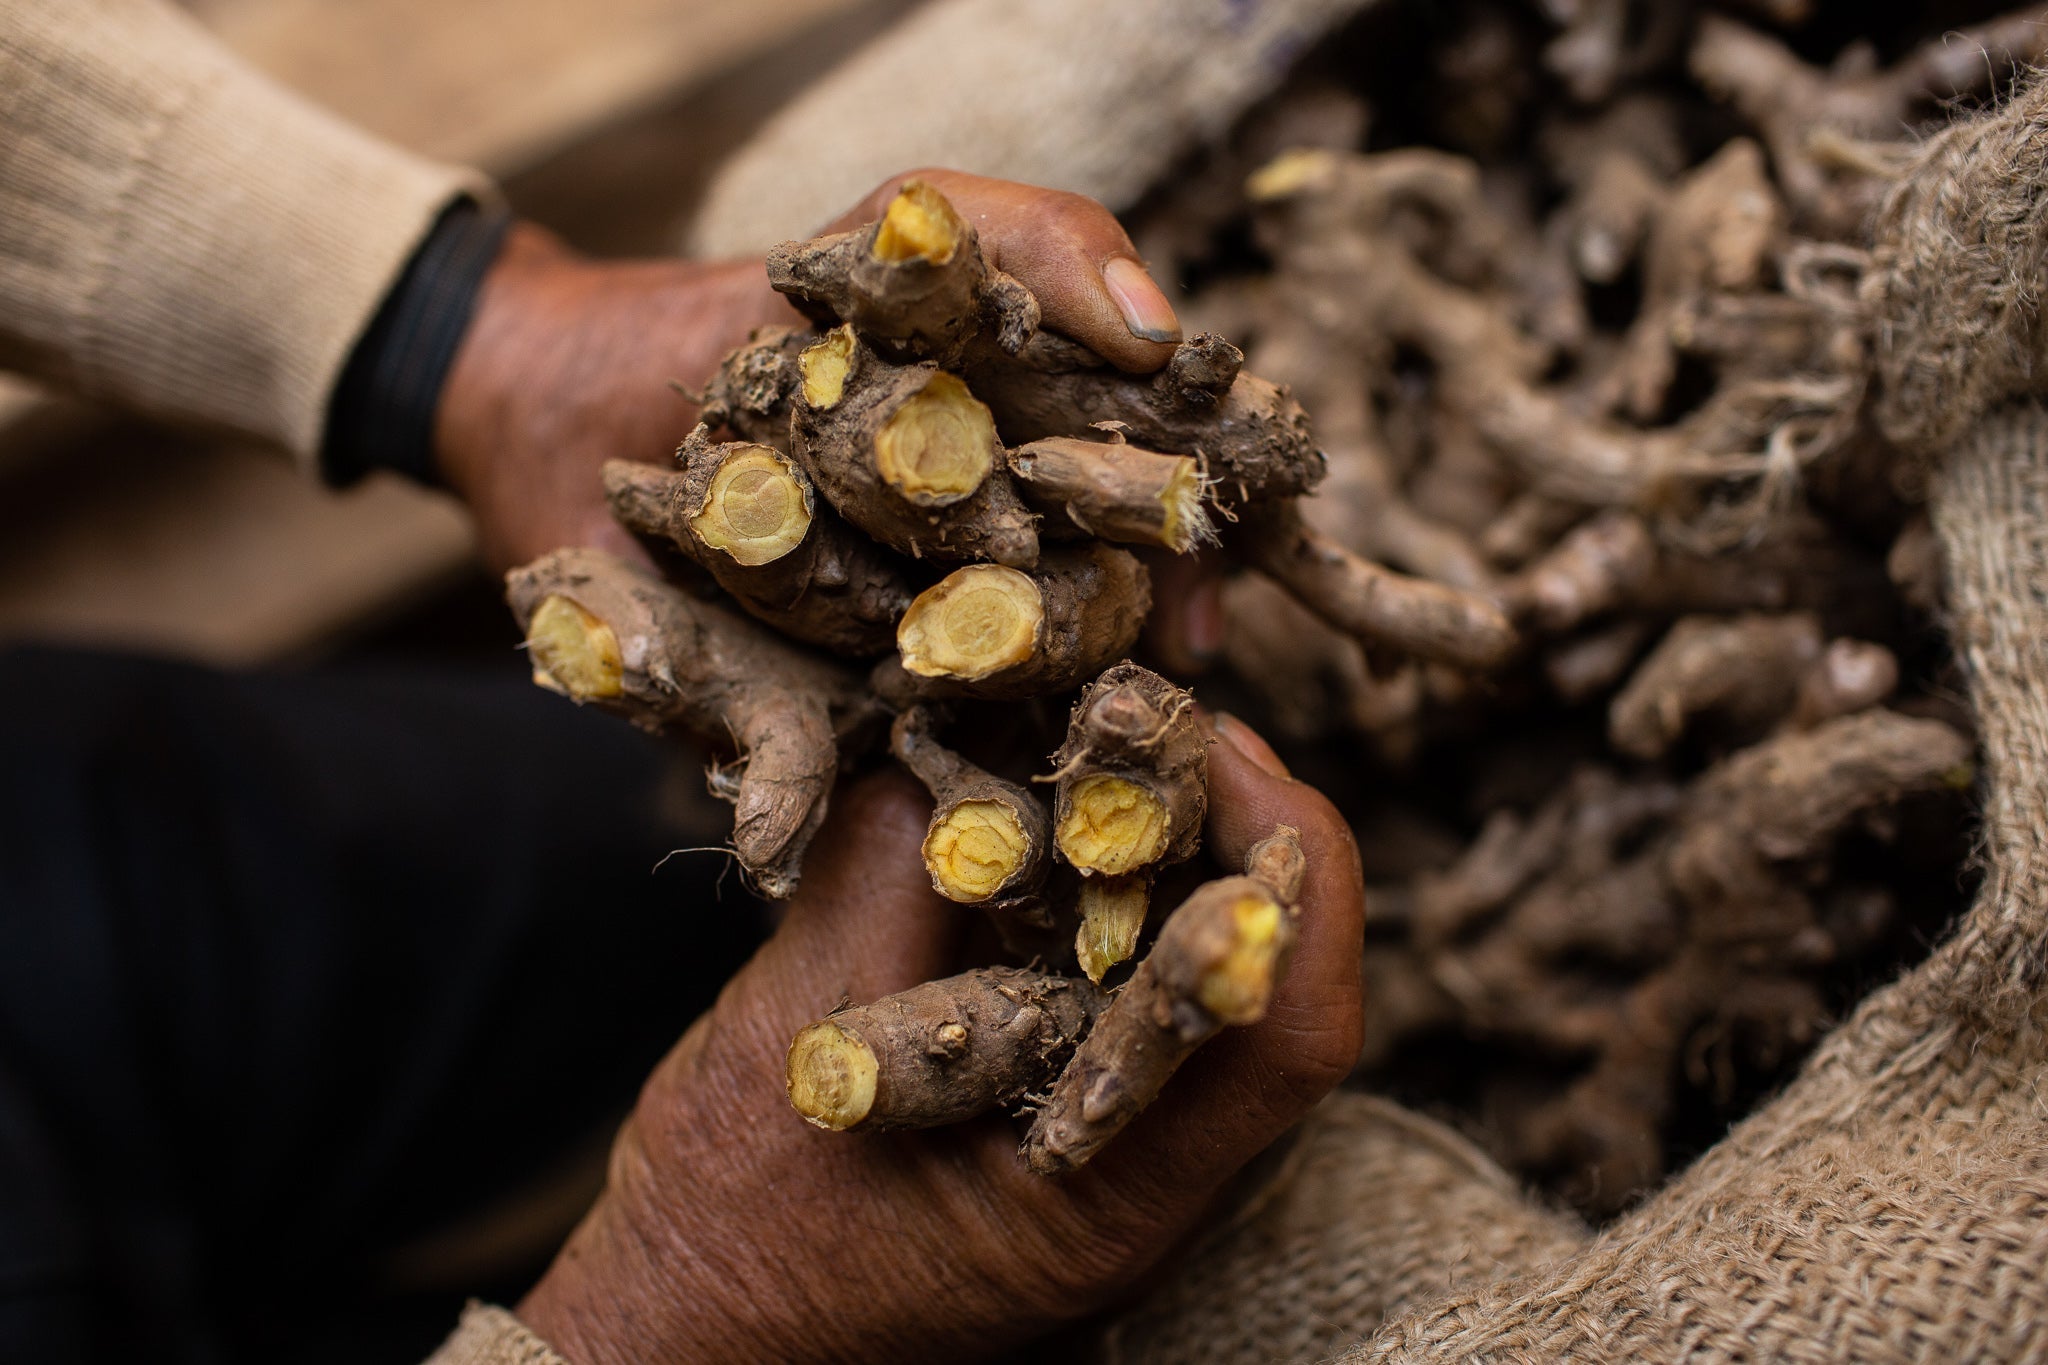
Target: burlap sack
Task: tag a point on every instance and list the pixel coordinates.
(1374, 1211)
(1892, 1203)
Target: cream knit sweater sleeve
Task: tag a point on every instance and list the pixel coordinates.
(181, 236)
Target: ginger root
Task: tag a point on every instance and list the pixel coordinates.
(1311, 680)
(1131, 791)
(751, 394)
(1116, 491)
(914, 282)
(1338, 219)
(989, 840)
(1613, 562)
(1132, 786)
(746, 515)
(1816, 120)
(1753, 672)
(1253, 440)
(1367, 602)
(1619, 166)
(1213, 966)
(1712, 235)
(1633, 925)
(996, 632)
(1113, 911)
(908, 455)
(605, 632)
(941, 1053)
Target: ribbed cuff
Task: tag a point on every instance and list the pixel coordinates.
(381, 415)
(181, 235)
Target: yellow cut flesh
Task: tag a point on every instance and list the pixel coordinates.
(1290, 173)
(1113, 825)
(1184, 523)
(575, 649)
(1237, 989)
(1112, 916)
(918, 226)
(756, 510)
(975, 622)
(825, 366)
(939, 447)
(831, 1076)
(977, 847)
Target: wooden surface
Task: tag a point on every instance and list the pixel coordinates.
(112, 533)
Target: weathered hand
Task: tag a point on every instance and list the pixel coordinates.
(570, 362)
(730, 1230)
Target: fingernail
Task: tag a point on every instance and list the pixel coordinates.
(1248, 742)
(1146, 311)
(1202, 620)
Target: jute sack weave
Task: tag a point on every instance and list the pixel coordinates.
(1374, 1211)
(1892, 1203)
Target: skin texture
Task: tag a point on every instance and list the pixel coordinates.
(568, 362)
(937, 1244)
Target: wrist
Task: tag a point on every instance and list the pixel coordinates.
(622, 1293)
(570, 362)
(382, 412)
(491, 377)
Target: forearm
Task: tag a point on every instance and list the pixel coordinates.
(181, 236)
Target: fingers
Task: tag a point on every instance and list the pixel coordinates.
(1184, 633)
(1249, 1085)
(1069, 251)
(865, 922)
(1314, 1025)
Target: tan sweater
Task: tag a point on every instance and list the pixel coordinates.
(1117, 93)
(181, 236)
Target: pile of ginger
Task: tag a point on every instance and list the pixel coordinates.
(1586, 333)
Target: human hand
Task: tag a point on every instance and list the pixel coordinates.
(570, 362)
(732, 1230)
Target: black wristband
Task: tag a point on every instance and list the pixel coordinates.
(382, 413)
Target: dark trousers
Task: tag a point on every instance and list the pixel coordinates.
(296, 969)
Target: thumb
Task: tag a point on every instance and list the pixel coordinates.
(1069, 251)
(865, 921)
(1251, 1084)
